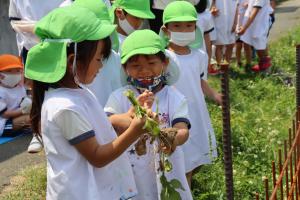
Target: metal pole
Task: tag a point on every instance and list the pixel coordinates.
(227, 132)
(298, 75)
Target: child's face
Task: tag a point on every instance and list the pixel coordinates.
(11, 77)
(135, 22)
(181, 26)
(142, 67)
(87, 76)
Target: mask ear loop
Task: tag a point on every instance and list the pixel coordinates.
(74, 67)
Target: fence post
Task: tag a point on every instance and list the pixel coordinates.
(298, 75)
(227, 132)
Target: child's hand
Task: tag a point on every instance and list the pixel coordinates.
(214, 11)
(218, 98)
(146, 99)
(137, 124)
(241, 30)
(26, 105)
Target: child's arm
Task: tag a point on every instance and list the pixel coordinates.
(99, 155)
(211, 93)
(253, 14)
(235, 19)
(182, 133)
(12, 113)
(122, 121)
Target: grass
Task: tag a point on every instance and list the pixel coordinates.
(262, 107)
(30, 184)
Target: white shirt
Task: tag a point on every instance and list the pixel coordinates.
(68, 117)
(121, 40)
(206, 24)
(256, 34)
(192, 69)
(10, 99)
(225, 21)
(172, 108)
(108, 78)
(30, 10)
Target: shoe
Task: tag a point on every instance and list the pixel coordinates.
(212, 71)
(35, 145)
(262, 65)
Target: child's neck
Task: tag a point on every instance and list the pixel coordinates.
(179, 49)
(121, 31)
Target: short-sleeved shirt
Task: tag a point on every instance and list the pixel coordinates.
(68, 117)
(172, 109)
(202, 140)
(30, 10)
(10, 99)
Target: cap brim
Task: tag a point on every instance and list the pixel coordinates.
(40, 65)
(12, 67)
(145, 51)
(103, 31)
(172, 73)
(140, 14)
(181, 19)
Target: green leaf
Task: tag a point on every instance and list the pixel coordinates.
(168, 165)
(176, 184)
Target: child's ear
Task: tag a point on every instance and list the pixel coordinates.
(166, 63)
(70, 60)
(165, 30)
(119, 13)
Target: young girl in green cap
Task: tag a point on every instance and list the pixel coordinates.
(179, 20)
(84, 154)
(109, 79)
(129, 16)
(148, 73)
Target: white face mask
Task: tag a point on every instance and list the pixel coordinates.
(127, 28)
(182, 38)
(11, 80)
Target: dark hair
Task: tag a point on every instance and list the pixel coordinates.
(161, 55)
(201, 6)
(85, 52)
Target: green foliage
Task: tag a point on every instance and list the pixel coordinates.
(169, 189)
(262, 108)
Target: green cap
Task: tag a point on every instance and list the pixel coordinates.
(47, 61)
(179, 11)
(146, 42)
(101, 11)
(136, 8)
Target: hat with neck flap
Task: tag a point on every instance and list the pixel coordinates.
(47, 61)
(101, 11)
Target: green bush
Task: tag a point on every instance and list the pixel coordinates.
(262, 108)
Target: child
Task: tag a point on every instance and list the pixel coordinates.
(14, 104)
(179, 20)
(109, 79)
(224, 12)
(23, 14)
(206, 24)
(147, 68)
(129, 16)
(84, 155)
(254, 31)
(242, 6)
